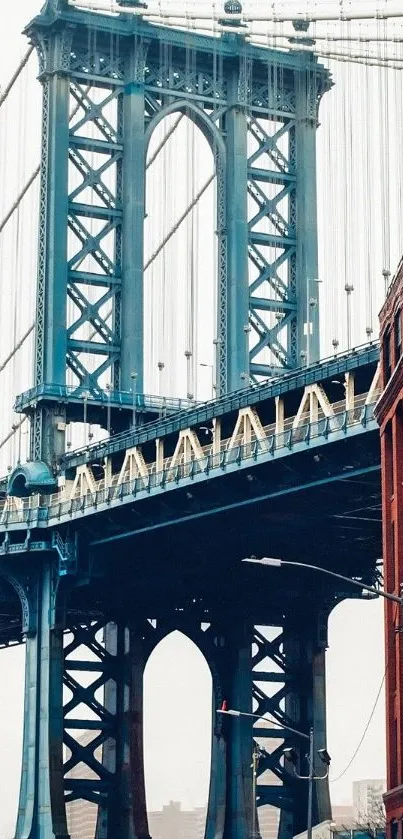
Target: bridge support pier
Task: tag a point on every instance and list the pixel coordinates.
(41, 812)
(83, 730)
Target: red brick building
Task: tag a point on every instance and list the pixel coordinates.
(389, 413)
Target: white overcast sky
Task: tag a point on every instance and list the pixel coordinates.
(177, 686)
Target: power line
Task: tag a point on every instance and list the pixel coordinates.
(355, 753)
(333, 780)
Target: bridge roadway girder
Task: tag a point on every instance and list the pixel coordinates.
(99, 589)
(114, 638)
(263, 632)
(108, 567)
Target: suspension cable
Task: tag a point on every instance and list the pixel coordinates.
(14, 77)
(11, 433)
(164, 140)
(25, 189)
(178, 223)
(17, 346)
(18, 200)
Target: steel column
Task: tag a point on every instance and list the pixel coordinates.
(238, 815)
(321, 789)
(304, 707)
(307, 291)
(51, 346)
(132, 335)
(47, 440)
(41, 812)
(237, 234)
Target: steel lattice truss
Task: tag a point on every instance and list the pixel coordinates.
(86, 736)
(95, 223)
(283, 693)
(104, 94)
(272, 245)
(96, 682)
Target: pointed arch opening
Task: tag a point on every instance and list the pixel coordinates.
(177, 736)
(180, 258)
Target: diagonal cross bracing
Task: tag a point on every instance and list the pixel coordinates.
(272, 241)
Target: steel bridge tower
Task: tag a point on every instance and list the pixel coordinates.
(107, 83)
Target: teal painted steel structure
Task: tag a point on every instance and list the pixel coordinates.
(108, 81)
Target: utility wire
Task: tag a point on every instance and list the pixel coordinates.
(333, 780)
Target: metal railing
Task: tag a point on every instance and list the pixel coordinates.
(205, 411)
(43, 509)
(113, 398)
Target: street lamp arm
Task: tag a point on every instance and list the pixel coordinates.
(312, 777)
(232, 713)
(278, 562)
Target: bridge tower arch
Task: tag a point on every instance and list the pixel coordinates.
(106, 81)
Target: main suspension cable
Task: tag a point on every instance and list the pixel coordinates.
(178, 223)
(18, 200)
(11, 433)
(14, 77)
(163, 141)
(17, 346)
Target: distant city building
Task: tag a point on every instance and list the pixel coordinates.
(81, 818)
(81, 814)
(368, 800)
(329, 830)
(268, 821)
(174, 823)
(343, 815)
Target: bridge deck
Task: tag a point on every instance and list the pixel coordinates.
(325, 370)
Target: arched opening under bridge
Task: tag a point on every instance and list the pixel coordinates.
(177, 730)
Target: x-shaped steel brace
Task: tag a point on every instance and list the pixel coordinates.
(93, 112)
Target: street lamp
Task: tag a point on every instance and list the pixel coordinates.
(108, 388)
(277, 563)
(311, 303)
(348, 288)
(211, 366)
(85, 396)
(292, 757)
(133, 377)
(217, 349)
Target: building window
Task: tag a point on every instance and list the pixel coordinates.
(398, 335)
(387, 369)
(389, 462)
